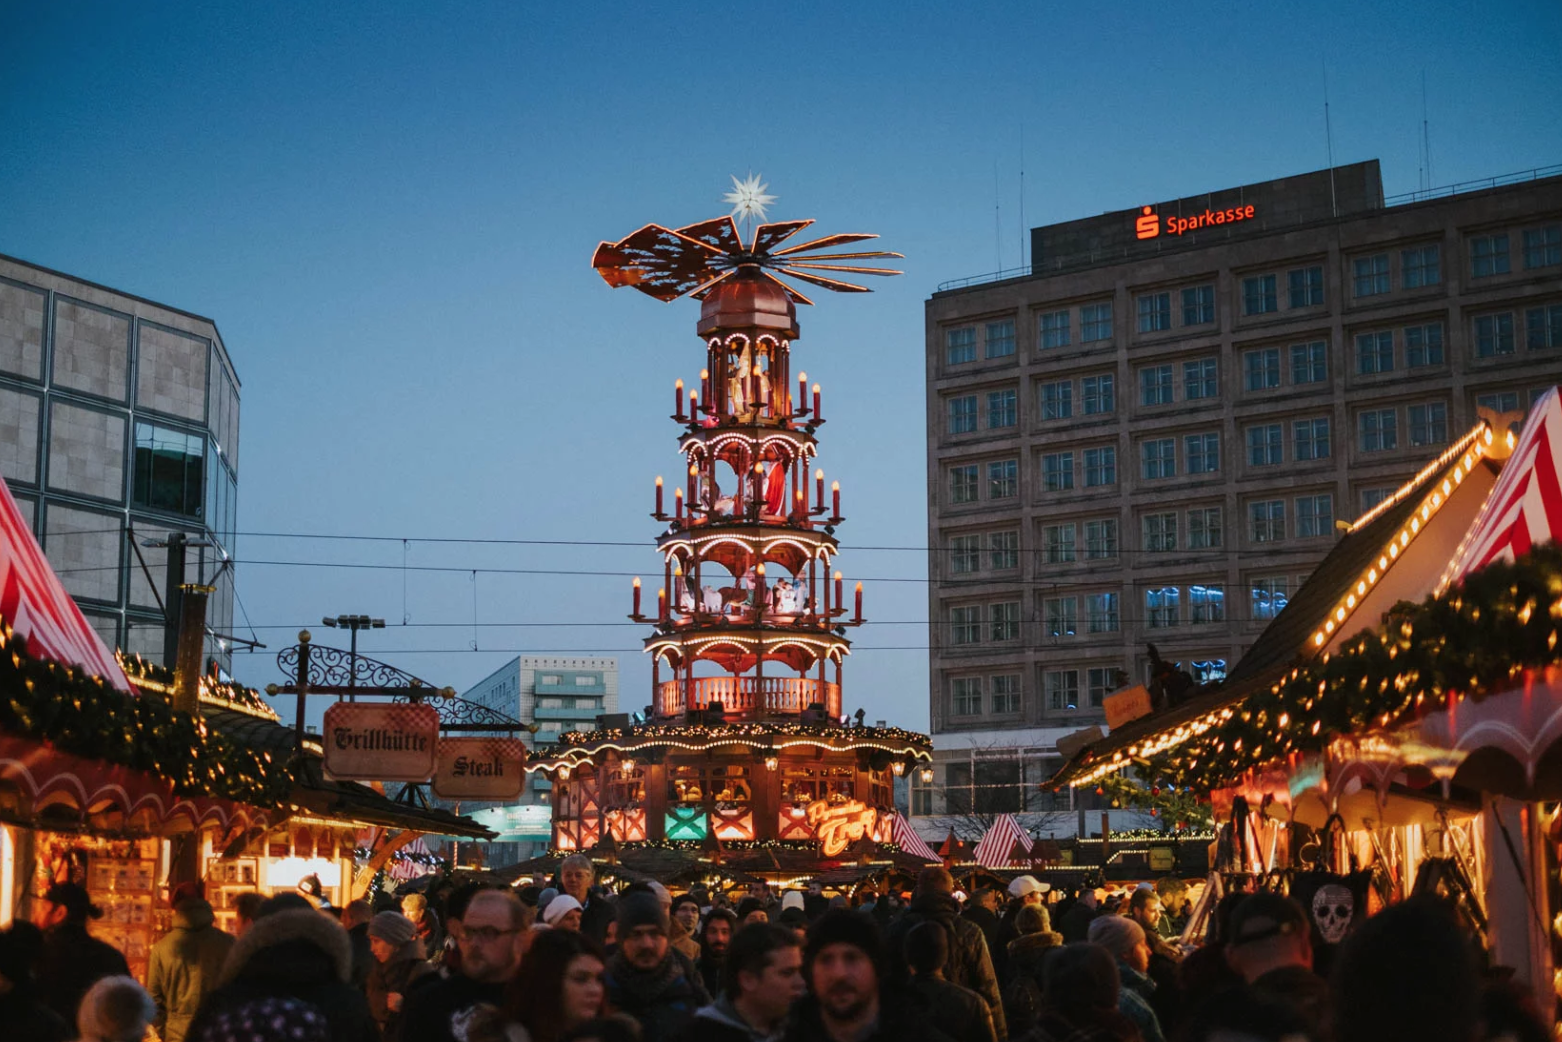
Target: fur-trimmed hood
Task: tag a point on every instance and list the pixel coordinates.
(294, 928)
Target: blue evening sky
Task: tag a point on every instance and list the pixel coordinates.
(389, 210)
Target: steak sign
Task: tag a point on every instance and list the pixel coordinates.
(366, 741)
(480, 769)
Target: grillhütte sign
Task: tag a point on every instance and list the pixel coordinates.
(480, 769)
(365, 741)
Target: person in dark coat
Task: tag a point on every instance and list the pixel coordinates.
(715, 939)
(576, 875)
(764, 980)
(425, 920)
(398, 961)
(25, 1017)
(292, 951)
(969, 964)
(957, 1012)
(1025, 892)
(185, 964)
(491, 943)
(1074, 924)
(72, 960)
(847, 1000)
(1082, 999)
(982, 909)
(647, 978)
(1023, 994)
(355, 920)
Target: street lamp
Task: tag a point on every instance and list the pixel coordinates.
(353, 623)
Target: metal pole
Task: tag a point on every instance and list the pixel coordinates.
(173, 594)
(302, 683)
(190, 647)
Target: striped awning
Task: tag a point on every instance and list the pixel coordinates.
(996, 848)
(905, 837)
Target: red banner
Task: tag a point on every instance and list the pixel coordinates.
(480, 769)
(369, 741)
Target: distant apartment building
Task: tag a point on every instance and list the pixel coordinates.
(558, 694)
(1149, 439)
(119, 423)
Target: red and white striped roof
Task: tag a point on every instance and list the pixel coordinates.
(994, 849)
(905, 837)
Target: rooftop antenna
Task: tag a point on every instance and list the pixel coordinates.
(1328, 136)
(1426, 138)
(1022, 196)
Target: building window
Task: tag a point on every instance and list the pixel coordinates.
(169, 470)
(1379, 430)
(1062, 686)
(1100, 467)
(1057, 400)
(1312, 439)
(1006, 695)
(1198, 305)
(962, 484)
(1100, 539)
(1375, 352)
(1207, 604)
(1204, 528)
(1057, 470)
(960, 345)
(1095, 323)
(1158, 458)
(1371, 497)
(1424, 345)
(965, 624)
(1369, 275)
(1104, 614)
(1155, 385)
(1160, 532)
(967, 696)
(965, 554)
(1203, 452)
(1003, 479)
(1054, 329)
(1103, 681)
(1543, 246)
(1494, 334)
(1421, 267)
(1266, 520)
(1099, 394)
(1161, 607)
(1002, 408)
(1005, 620)
(1061, 616)
(1265, 445)
(1059, 541)
(1258, 295)
(1306, 287)
(1000, 339)
(1261, 368)
(1003, 550)
(1201, 378)
(1314, 515)
(1543, 328)
(1499, 403)
(1310, 362)
(1429, 423)
(1489, 255)
(962, 414)
(1154, 312)
(1268, 596)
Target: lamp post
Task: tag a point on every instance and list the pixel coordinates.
(354, 623)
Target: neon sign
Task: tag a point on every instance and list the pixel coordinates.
(1148, 224)
(838, 824)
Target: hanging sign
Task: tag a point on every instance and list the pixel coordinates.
(480, 769)
(368, 741)
(1127, 705)
(838, 824)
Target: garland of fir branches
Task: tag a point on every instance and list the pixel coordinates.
(1179, 809)
(86, 716)
(1475, 638)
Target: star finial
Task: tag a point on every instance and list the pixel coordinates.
(748, 198)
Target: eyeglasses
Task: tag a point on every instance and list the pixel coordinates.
(485, 934)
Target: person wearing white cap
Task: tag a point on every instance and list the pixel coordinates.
(1026, 891)
(562, 913)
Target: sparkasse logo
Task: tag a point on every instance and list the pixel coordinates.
(1148, 224)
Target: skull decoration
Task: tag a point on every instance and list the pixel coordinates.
(1333, 907)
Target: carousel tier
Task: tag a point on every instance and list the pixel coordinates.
(748, 696)
(738, 546)
(739, 650)
(741, 445)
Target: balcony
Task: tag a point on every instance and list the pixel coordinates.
(568, 686)
(749, 696)
(582, 714)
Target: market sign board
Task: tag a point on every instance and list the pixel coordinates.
(1127, 705)
(839, 824)
(385, 741)
(529, 822)
(480, 769)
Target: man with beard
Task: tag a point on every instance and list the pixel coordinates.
(647, 979)
(715, 938)
(969, 964)
(491, 936)
(844, 967)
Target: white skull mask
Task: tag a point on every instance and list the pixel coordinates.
(1333, 906)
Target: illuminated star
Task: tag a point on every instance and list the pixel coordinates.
(748, 198)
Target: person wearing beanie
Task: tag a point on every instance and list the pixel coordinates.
(1124, 939)
(647, 978)
(1027, 955)
(715, 939)
(970, 965)
(185, 964)
(792, 899)
(72, 959)
(844, 968)
(752, 910)
(26, 1019)
(115, 1009)
(399, 960)
(563, 912)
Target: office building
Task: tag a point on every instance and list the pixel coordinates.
(119, 424)
(1150, 438)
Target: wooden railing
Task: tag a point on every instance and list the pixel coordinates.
(747, 696)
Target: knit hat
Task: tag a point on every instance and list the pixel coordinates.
(545, 898)
(1033, 919)
(641, 909)
(392, 927)
(841, 927)
(558, 908)
(1117, 934)
(268, 1020)
(1023, 886)
(792, 899)
(115, 1009)
(662, 893)
(750, 905)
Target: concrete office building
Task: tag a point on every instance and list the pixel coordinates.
(119, 423)
(1150, 437)
(558, 694)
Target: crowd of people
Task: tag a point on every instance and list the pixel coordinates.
(570, 962)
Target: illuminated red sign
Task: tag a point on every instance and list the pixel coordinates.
(1148, 224)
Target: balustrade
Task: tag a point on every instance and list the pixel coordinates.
(748, 696)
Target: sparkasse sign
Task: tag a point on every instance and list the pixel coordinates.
(480, 769)
(1148, 225)
(367, 741)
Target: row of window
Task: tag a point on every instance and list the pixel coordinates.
(1197, 528)
(1062, 689)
